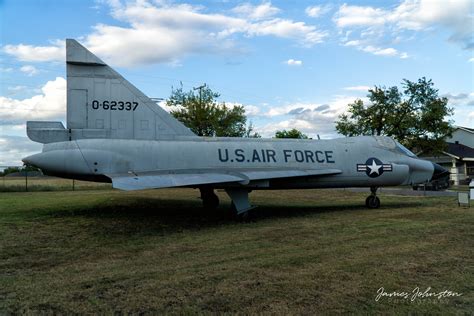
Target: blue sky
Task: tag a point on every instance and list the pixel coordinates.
(290, 63)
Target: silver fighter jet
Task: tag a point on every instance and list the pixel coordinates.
(115, 133)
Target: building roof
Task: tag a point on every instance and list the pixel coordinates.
(460, 151)
(467, 129)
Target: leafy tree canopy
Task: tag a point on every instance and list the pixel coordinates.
(10, 170)
(293, 133)
(415, 116)
(204, 115)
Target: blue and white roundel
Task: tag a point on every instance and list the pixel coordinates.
(374, 168)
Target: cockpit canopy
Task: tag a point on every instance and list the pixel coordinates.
(390, 143)
(405, 150)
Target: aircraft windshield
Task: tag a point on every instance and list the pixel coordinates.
(405, 150)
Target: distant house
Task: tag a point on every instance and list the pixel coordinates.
(459, 155)
(461, 150)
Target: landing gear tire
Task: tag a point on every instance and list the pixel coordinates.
(372, 201)
(209, 199)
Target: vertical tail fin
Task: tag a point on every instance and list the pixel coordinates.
(102, 104)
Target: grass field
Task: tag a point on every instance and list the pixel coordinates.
(19, 184)
(310, 252)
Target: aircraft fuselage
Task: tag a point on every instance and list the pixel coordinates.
(363, 161)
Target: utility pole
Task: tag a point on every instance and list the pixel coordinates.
(200, 105)
(26, 178)
(200, 92)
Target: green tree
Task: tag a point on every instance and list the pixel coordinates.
(11, 170)
(205, 116)
(251, 133)
(416, 116)
(292, 133)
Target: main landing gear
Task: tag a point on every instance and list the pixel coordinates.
(240, 202)
(372, 201)
(209, 199)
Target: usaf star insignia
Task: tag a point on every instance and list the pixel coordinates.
(373, 167)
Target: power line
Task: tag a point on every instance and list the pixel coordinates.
(240, 94)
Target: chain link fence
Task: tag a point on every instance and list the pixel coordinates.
(28, 179)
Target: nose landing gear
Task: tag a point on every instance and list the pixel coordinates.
(372, 201)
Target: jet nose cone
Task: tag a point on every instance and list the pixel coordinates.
(30, 160)
(439, 172)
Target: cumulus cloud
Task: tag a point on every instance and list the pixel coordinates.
(358, 88)
(310, 118)
(351, 15)
(293, 62)
(50, 104)
(29, 70)
(259, 12)
(16, 88)
(165, 32)
(456, 16)
(13, 148)
(460, 99)
(252, 110)
(30, 53)
(322, 108)
(363, 45)
(317, 10)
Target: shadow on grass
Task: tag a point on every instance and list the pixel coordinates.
(161, 216)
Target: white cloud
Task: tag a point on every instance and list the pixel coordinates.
(349, 15)
(358, 88)
(13, 148)
(380, 51)
(410, 15)
(16, 88)
(317, 10)
(30, 53)
(310, 118)
(460, 99)
(404, 55)
(306, 35)
(166, 32)
(50, 104)
(251, 110)
(471, 60)
(259, 12)
(29, 70)
(293, 62)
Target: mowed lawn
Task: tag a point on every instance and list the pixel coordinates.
(311, 252)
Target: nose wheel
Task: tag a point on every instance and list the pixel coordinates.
(372, 201)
